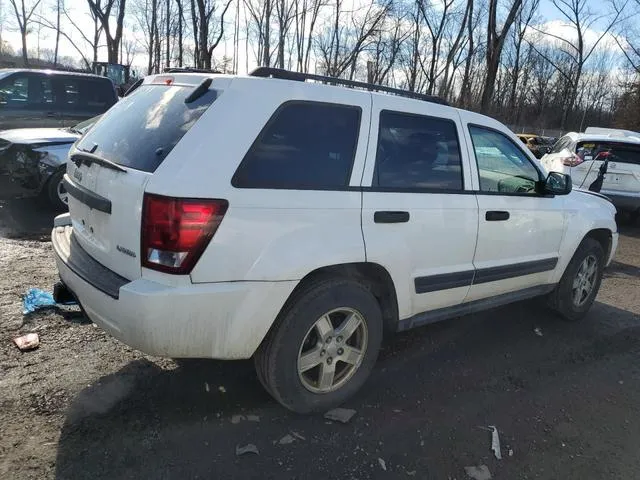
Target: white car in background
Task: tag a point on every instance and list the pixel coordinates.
(582, 155)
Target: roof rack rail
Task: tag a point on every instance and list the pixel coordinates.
(188, 70)
(281, 74)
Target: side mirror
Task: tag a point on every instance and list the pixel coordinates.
(558, 184)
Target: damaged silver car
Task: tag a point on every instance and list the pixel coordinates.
(33, 161)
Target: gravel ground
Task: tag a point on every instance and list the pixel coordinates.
(566, 404)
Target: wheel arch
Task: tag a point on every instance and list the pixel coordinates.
(604, 237)
(376, 278)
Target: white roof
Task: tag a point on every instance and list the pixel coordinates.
(598, 134)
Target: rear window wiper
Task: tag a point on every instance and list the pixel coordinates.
(85, 157)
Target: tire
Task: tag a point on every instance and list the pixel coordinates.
(296, 335)
(51, 195)
(563, 298)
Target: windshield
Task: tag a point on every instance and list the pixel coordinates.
(142, 129)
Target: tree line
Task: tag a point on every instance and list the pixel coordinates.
(497, 57)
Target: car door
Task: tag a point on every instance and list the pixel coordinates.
(27, 100)
(419, 216)
(519, 229)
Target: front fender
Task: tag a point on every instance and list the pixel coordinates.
(585, 212)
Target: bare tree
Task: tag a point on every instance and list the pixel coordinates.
(208, 36)
(306, 14)
(180, 28)
(582, 19)
(341, 45)
(495, 43)
(284, 15)
(385, 48)
(59, 6)
(409, 59)
(104, 12)
(628, 38)
(521, 25)
(437, 21)
(24, 14)
(453, 49)
(260, 13)
(146, 15)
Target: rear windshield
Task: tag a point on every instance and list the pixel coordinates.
(564, 142)
(141, 129)
(616, 152)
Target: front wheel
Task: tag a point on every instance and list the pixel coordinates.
(579, 285)
(323, 346)
(56, 193)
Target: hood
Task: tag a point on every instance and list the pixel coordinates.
(589, 192)
(28, 136)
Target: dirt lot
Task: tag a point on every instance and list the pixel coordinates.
(566, 404)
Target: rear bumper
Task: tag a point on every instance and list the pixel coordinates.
(216, 320)
(623, 200)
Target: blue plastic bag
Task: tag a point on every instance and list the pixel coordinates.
(36, 299)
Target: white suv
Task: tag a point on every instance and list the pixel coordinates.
(294, 222)
(615, 152)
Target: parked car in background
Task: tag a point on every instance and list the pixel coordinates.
(537, 144)
(33, 161)
(297, 223)
(583, 154)
(51, 99)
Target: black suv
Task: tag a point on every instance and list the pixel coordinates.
(45, 98)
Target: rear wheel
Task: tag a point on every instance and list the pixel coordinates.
(323, 346)
(55, 192)
(579, 285)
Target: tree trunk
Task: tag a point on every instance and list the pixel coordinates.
(180, 27)
(25, 56)
(152, 35)
(55, 52)
(167, 61)
(495, 42)
(282, 34)
(266, 53)
(194, 21)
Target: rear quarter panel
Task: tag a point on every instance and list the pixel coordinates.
(266, 234)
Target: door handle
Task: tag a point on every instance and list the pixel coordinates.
(496, 216)
(391, 217)
(51, 114)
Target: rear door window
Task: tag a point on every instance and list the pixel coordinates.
(305, 145)
(417, 153)
(141, 129)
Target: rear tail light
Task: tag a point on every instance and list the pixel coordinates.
(603, 156)
(572, 161)
(175, 231)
